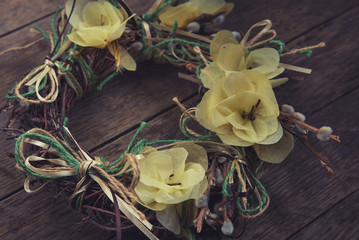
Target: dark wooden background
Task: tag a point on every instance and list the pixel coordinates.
(306, 201)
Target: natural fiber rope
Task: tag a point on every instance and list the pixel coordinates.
(71, 163)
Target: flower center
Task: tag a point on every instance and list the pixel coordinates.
(172, 184)
(250, 116)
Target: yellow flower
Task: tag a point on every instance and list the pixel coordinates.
(172, 176)
(187, 12)
(241, 108)
(229, 55)
(98, 24)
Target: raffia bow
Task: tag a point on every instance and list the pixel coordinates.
(65, 161)
(36, 78)
(253, 42)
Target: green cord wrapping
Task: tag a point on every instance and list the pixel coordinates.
(54, 32)
(225, 183)
(190, 235)
(108, 78)
(198, 71)
(174, 28)
(261, 204)
(165, 42)
(258, 184)
(307, 52)
(279, 43)
(61, 150)
(64, 153)
(42, 32)
(140, 129)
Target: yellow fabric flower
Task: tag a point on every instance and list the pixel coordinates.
(241, 108)
(187, 12)
(172, 176)
(98, 24)
(229, 55)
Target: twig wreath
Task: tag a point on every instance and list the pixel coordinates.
(168, 186)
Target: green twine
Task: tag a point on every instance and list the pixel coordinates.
(190, 235)
(174, 28)
(66, 120)
(261, 204)
(108, 78)
(189, 136)
(225, 183)
(198, 71)
(41, 86)
(42, 32)
(61, 150)
(259, 185)
(155, 13)
(307, 52)
(56, 36)
(264, 167)
(78, 88)
(279, 43)
(88, 71)
(165, 42)
(64, 153)
(140, 129)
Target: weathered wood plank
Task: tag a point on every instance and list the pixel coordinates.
(334, 68)
(13, 67)
(82, 116)
(276, 190)
(289, 19)
(16, 63)
(59, 222)
(18, 13)
(22, 207)
(339, 222)
(300, 189)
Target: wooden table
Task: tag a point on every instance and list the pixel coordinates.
(306, 201)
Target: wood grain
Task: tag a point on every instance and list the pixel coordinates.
(339, 222)
(22, 217)
(300, 189)
(302, 193)
(14, 66)
(16, 14)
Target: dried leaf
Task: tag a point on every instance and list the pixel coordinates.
(169, 219)
(277, 152)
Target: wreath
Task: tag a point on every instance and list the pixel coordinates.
(208, 182)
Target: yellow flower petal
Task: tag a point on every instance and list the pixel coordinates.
(211, 74)
(91, 37)
(265, 61)
(118, 29)
(97, 23)
(231, 57)
(172, 176)
(183, 14)
(207, 6)
(221, 38)
(196, 153)
(76, 16)
(241, 109)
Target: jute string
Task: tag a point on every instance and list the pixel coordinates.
(65, 161)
